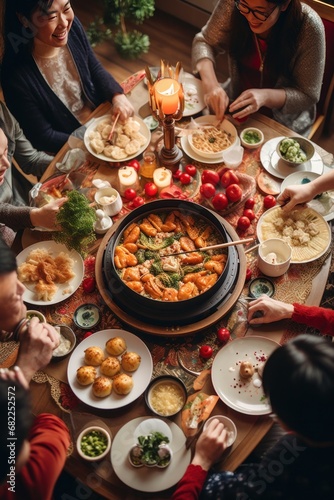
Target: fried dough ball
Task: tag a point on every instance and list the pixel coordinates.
(102, 387)
(110, 366)
(86, 375)
(94, 356)
(130, 361)
(122, 384)
(246, 369)
(116, 346)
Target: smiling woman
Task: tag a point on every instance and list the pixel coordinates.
(50, 72)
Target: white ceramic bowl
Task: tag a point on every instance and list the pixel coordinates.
(233, 157)
(105, 436)
(109, 200)
(305, 145)
(274, 257)
(68, 334)
(251, 137)
(228, 424)
(227, 127)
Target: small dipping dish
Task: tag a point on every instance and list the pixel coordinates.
(274, 257)
(68, 342)
(260, 286)
(109, 200)
(229, 425)
(166, 395)
(87, 316)
(32, 312)
(93, 443)
(251, 137)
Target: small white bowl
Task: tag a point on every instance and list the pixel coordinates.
(274, 257)
(68, 333)
(32, 312)
(105, 436)
(228, 424)
(233, 157)
(227, 127)
(249, 135)
(305, 145)
(109, 200)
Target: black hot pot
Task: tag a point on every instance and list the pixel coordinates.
(169, 313)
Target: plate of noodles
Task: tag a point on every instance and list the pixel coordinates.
(50, 272)
(132, 138)
(211, 139)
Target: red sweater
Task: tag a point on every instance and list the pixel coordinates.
(191, 484)
(49, 440)
(317, 317)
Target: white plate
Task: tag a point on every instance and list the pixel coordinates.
(141, 377)
(322, 250)
(238, 393)
(193, 96)
(148, 479)
(207, 119)
(143, 130)
(276, 167)
(323, 204)
(54, 248)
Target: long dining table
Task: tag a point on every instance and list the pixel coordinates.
(50, 389)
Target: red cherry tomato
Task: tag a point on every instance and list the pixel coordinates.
(190, 169)
(185, 178)
(205, 351)
(248, 274)
(269, 201)
(250, 203)
(223, 334)
(177, 174)
(130, 194)
(210, 176)
(89, 285)
(87, 334)
(219, 201)
(150, 189)
(249, 213)
(229, 177)
(207, 190)
(243, 223)
(234, 193)
(135, 164)
(138, 202)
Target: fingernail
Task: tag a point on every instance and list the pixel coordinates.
(16, 368)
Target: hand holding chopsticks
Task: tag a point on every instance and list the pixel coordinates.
(214, 247)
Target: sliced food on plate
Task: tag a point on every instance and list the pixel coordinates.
(303, 229)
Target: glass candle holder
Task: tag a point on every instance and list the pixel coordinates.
(148, 165)
(167, 95)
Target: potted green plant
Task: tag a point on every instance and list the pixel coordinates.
(129, 43)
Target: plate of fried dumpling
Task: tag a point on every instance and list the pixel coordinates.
(130, 138)
(110, 369)
(50, 272)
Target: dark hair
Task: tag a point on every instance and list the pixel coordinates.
(21, 424)
(298, 379)
(282, 40)
(7, 258)
(18, 38)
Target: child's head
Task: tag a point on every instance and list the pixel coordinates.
(298, 379)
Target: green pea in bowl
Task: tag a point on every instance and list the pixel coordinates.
(251, 137)
(93, 443)
(295, 151)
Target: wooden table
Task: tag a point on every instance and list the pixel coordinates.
(251, 429)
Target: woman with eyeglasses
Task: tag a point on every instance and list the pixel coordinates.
(276, 59)
(298, 380)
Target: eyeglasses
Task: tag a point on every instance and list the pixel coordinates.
(244, 9)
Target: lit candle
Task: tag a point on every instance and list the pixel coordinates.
(127, 178)
(167, 95)
(162, 178)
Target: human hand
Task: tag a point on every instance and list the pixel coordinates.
(248, 102)
(14, 375)
(122, 106)
(46, 216)
(270, 309)
(210, 445)
(295, 195)
(36, 347)
(217, 100)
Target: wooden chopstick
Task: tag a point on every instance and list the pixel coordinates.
(113, 126)
(213, 247)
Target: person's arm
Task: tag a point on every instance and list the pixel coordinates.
(294, 195)
(251, 100)
(27, 217)
(46, 216)
(320, 318)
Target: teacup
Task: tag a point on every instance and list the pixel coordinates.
(109, 200)
(233, 157)
(274, 257)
